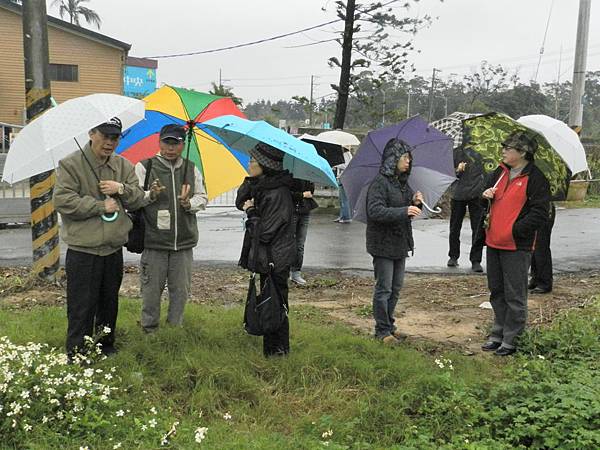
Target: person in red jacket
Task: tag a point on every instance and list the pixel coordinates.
(519, 196)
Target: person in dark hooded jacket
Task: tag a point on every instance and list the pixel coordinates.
(391, 205)
(269, 242)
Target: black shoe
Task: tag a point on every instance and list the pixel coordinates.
(539, 290)
(532, 285)
(505, 351)
(109, 350)
(476, 267)
(490, 346)
(452, 262)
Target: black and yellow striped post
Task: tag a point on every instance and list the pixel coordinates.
(44, 220)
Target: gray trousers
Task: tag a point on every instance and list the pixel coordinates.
(507, 281)
(389, 277)
(160, 267)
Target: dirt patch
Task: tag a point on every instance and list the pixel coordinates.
(442, 309)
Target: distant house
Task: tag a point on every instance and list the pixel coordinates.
(81, 62)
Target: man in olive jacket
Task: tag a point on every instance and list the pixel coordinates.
(171, 230)
(89, 184)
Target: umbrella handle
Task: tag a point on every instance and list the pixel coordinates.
(436, 210)
(110, 217)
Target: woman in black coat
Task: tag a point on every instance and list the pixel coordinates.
(269, 244)
(391, 205)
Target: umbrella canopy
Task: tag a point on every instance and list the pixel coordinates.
(333, 153)
(46, 140)
(484, 135)
(562, 138)
(432, 169)
(222, 167)
(301, 158)
(452, 126)
(339, 137)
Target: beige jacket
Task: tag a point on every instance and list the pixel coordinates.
(78, 199)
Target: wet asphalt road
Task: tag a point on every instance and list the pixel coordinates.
(575, 243)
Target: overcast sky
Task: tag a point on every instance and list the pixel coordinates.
(509, 32)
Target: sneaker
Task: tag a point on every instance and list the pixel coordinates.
(345, 221)
(452, 262)
(490, 346)
(531, 285)
(399, 335)
(390, 341)
(337, 220)
(296, 277)
(540, 290)
(476, 267)
(504, 351)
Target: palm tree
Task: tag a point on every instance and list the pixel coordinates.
(74, 9)
(225, 91)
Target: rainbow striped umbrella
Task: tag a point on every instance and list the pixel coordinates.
(223, 168)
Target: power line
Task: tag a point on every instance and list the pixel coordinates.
(231, 47)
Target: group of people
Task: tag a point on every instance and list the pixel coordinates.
(94, 183)
(509, 210)
(95, 188)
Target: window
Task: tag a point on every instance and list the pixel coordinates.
(64, 72)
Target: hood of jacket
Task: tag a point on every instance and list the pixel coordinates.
(392, 152)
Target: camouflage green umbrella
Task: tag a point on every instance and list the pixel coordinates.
(483, 137)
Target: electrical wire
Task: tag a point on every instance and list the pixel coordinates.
(247, 44)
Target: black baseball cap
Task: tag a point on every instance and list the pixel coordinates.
(172, 131)
(111, 127)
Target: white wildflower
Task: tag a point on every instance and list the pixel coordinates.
(106, 330)
(120, 413)
(541, 357)
(152, 423)
(116, 446)
(200, 434)
(153, 410)
(227, 416)
(327, 434)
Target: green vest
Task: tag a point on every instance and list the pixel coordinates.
(168, 225)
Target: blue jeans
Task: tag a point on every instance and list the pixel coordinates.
(344, 206)
(301, 221)
(389, 277)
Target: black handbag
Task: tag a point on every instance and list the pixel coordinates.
(265, 312)
(135, 240)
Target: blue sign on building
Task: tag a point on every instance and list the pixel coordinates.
(139, 81)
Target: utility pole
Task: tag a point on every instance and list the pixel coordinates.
(310, 104)
(408, 106)
(576, 105)
(431, 93)
(44, 220)
(220, 79)
(557, 90)
(383, 110)
(445, 106)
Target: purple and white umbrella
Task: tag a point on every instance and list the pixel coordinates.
(432, 168)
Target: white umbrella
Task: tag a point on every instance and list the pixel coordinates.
(42, 143)
(562, 139)
(338, 137)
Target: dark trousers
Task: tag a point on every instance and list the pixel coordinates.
(507, 281)
(541, 259)
(457, 215)
(93, 284)
(301, 221)
(389, 278)
(278, 343)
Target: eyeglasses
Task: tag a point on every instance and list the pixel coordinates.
(110, 137)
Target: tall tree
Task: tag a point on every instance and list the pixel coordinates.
(74, 9)
(367, 43)
(225, 91)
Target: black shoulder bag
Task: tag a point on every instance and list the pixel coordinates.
(264, 312)
(135, 240)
